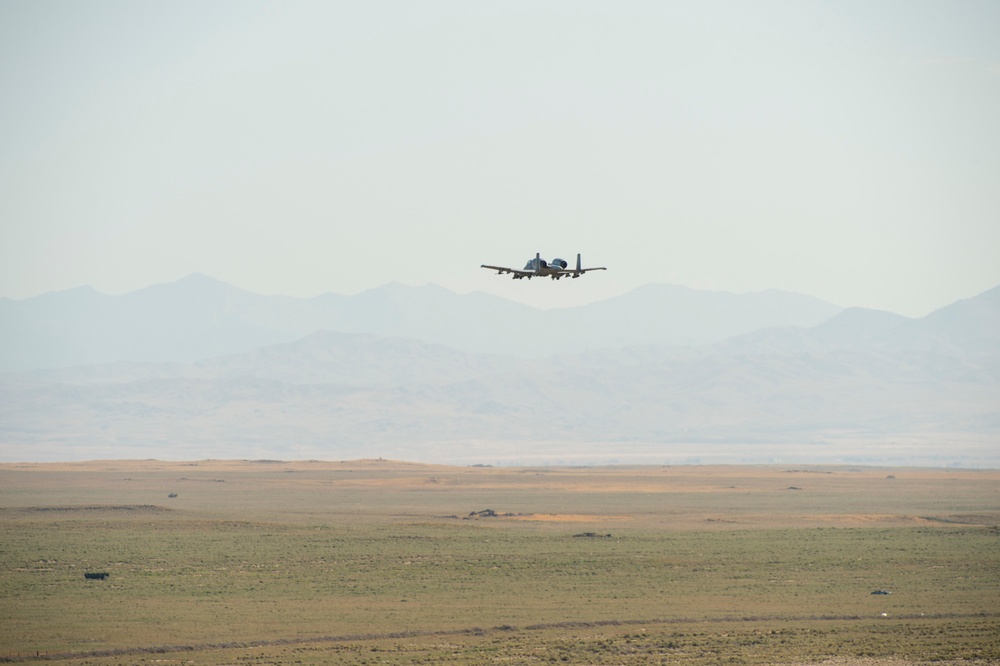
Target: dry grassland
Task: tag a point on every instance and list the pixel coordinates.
(254, 562)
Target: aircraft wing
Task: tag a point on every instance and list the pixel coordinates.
(504, 269)
(575, 273)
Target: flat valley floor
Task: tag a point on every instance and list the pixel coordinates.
(383, 562)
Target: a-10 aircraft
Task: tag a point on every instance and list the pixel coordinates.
(555, 269)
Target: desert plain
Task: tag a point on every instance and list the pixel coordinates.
(387, 562)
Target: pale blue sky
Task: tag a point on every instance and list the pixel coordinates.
(847, 150)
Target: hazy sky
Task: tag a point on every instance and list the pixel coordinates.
(847, 150)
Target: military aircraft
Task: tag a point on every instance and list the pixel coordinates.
(555, 269)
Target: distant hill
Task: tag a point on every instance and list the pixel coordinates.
(862, 386)
(199, 317)
(193, 318)
(970, 326)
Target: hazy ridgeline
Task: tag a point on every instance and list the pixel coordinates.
(663, 374)
(382, 562)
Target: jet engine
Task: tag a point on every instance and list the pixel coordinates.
(558, 263)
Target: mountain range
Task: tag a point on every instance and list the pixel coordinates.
(199, 317)
(663, 374)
